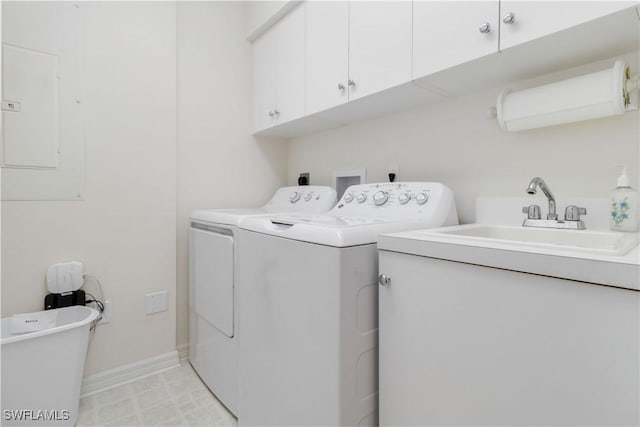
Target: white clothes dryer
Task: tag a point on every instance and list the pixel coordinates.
(213, 300)
(308, 297)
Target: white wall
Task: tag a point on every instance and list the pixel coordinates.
(1, 124)
(260, 12)
(55, 29)
(124, 231)
(453, 142)
(219, 164)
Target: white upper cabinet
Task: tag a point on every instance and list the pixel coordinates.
(278, 72)
(321, 55)
(449, 33)
(264, 82)
(327, 55)
(290, 66)
(379, 46)
(354, 49)
(522, 21)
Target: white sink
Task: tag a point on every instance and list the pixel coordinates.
(583, 241)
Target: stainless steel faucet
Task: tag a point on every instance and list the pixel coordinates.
(539, 182)
(571, 215)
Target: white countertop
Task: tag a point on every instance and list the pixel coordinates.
(619, 271)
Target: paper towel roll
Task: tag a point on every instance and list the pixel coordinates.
(586, 97)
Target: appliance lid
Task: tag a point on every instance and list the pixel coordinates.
(329, 231)
(327, 220)
(225, 216)
(307, 198)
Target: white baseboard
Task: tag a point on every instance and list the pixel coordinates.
(105, 380)
(183, 352)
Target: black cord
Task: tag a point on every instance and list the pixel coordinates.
(98, 304)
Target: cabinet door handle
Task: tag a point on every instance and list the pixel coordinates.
(276, 112)
(485, 28)
(340, 86)
(271, 114)
(509, 18)
(384, 280)
(351, 83)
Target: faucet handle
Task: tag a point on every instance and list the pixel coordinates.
(533, 211)
(572, 213)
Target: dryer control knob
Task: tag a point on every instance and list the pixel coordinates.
(380, 198)
(307, 196)
(348, 197)
(422, 198)
(404, 198)
(294, 197)
(360, 198)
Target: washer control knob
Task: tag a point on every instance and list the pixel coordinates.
(348, 197)
(307, 196)
(380, 198)
(404, 198)
(294, 197)
(360, 198)
(422, 198)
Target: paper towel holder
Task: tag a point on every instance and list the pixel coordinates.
(610, 92)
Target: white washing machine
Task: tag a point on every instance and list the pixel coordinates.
(213, 300)
(309, 296)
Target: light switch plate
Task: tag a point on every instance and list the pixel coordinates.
(106, 314)
(156, 302)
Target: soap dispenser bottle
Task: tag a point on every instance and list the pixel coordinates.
(624, 205)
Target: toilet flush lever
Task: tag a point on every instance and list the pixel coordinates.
(384, 280)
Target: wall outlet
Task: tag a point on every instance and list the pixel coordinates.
(304, 178)
(393, 168)
(106, 314)
(157, 302)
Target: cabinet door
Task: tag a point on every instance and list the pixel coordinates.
(379, 45)
(533, 19)
(446, 34)
(327, 54)
(264, 88)
(510, 348)
(289, 47)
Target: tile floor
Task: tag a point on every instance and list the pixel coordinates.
(176, 397)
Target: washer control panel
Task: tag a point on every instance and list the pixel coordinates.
(393, 199)
(304, 198)
(400, 192)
